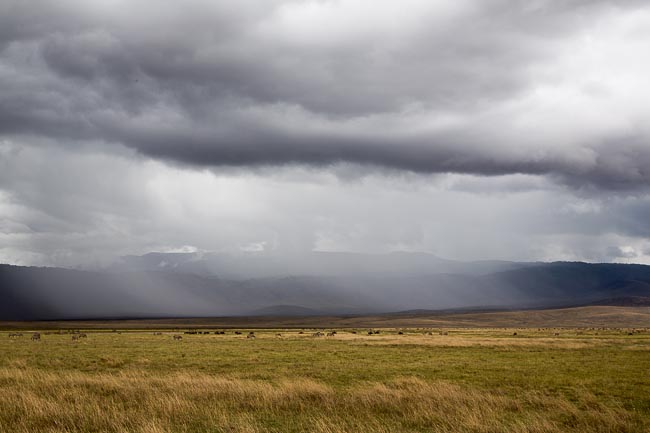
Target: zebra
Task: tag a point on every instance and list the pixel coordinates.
(178, 337)
(36, 336)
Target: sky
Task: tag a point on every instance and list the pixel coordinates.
(490, 129)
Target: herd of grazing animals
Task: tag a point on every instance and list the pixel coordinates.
(77, 335)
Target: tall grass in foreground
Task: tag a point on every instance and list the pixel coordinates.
(33, 400)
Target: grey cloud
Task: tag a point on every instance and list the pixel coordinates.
(614, 252)
(212, 84)
(71, 206)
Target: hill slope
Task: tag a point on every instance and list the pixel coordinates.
(49, 293)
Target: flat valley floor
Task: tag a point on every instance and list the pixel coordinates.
(426, 379)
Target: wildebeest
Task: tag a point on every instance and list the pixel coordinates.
(36, 336)
(75, 337)
(317, 334)
(237, 333)
(251, 335)
(177, 337)
(400, 333)
(331, 334)
(557, 334)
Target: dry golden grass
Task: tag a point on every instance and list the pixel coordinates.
(34, 401)
(470, 380)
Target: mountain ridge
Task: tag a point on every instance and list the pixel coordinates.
(33, 293)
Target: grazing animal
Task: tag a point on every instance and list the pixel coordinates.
(400, 333)
(15, 335)
(331, 334)
(36, 336)
(75, 337)
(278, 335)
(370, 332)
(251, 335)
(557, 334)
(317, 334)
(157, 333)
(177, 337)
(237, 332)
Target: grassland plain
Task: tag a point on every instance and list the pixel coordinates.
(470, 380)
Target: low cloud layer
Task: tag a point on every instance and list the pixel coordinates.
(120, 122)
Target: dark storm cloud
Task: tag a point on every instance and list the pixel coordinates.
(427, 87)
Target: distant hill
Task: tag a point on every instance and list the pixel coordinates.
(589, 316)
(625, 301)
(248, 265)
(161, 285)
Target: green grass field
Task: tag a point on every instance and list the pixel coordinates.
(471, 380)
